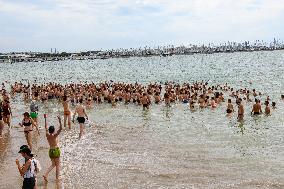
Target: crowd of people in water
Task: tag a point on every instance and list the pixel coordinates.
(197, 95)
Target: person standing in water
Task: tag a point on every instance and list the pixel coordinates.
(28, 170)
(273, 105)
(145, 101)
(34, 111)
(256, 109)
(7, 112)
(1, 120)
(67, 112)
(230, 107)
(28, 125)
(54, 151)
(81, 111)
(267, 108)
(240, 109)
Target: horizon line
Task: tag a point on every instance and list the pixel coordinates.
(210, 44)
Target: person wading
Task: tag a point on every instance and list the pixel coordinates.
(54, 151)
(28, 170)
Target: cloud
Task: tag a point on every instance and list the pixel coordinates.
(72, 25)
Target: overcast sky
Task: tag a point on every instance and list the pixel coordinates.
(78, 25)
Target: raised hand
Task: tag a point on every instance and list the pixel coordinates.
(59, 118)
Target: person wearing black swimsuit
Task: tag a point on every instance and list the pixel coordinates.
(28, 125)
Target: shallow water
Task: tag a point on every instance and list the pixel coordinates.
(165, 147)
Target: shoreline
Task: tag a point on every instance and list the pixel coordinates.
(94, 55)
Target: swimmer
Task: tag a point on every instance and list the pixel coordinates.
(201, 101)
(248, 95)
(240, 109)
(34, 111)
(67, 112)
(28, 124)
(54, 151)
(89, 102)
(1, 120)
(267, 108)
(230, 107)
(273, 105)
(81, 111)
(145, 102)
(127, 97)
(6, 112)
(254, 93)
(167, 99)
(213, 103)
(256, 109)
(191, 105)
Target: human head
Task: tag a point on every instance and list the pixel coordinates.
(273, 104)
(51, 129)
(239, 101)
(36, 94)
(25, 151)
(26, 115)
(81, 101)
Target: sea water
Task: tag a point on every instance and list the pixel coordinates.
(164, 147)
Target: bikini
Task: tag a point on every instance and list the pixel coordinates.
(229, 111)
(27, 125)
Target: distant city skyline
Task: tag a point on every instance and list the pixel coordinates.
(72, 26)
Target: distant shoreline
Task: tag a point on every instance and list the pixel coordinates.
(127, 53)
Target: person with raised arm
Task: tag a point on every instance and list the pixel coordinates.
(54, 151)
